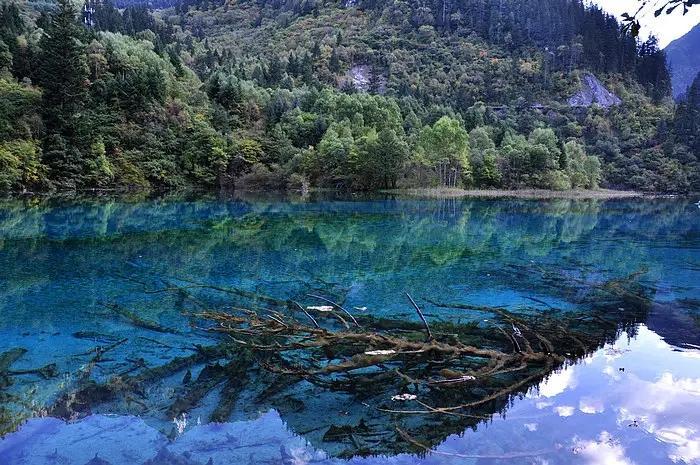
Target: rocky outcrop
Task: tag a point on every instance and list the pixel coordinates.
(593, 92)
(359, 76)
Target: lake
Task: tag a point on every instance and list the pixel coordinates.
(576, 325)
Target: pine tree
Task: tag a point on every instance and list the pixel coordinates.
(334, 63)
(652, 70)
(276, 70)
(64, 78)
(686, 125)
(375, 80)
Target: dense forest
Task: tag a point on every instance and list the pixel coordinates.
(352, 94)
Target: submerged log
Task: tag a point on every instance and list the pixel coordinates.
(95, 336)
(208, 379)
(47, 372)
(137, 321)
(237, 377)
(79, 401)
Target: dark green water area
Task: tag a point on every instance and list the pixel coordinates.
(204, 329)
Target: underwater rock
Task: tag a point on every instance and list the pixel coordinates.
(10, 357)
(165, 457)
(5, 381)
(96, 460)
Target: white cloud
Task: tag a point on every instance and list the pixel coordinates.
(686, 443)
(606, 450)
(564, 410)
(612, 372)
(531, 426)
(543, 404)
(669, 409)
(590, 405)
(557, 383)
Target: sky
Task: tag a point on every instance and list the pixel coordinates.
(666, 27)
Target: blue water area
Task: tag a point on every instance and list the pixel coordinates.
(127, 275)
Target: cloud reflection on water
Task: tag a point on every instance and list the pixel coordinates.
(642, 415)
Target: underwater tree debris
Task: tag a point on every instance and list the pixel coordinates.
(10, 357)
(79, 400)
(136, 320)
(338, 306)
(379, 379)
(363, 361)
(422, 317)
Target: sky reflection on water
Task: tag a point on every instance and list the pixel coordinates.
(588, 413)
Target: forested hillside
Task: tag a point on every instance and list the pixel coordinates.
(344, 94)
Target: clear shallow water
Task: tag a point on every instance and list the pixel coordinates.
(65, 262)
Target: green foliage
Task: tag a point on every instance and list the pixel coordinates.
(204, 156)
(483, 156)
(686, 129)
(19, 107)
(99, 167)
(263, 93)
(583, 170)
(63, 74)
(378, 160)
(444, 146)
(652, 71)
(329, 165)
(261, 177)
(20, 166)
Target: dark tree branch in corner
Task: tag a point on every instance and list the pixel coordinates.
(631, 22)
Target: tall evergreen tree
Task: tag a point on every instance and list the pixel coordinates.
(652, 70)
(64, 78)
(687, 120)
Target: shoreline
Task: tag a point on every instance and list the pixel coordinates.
(521, 193)
(427, 193)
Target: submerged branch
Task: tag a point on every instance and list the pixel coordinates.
(338, 306)
(422, 317)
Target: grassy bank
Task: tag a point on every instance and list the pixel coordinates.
(522, 193)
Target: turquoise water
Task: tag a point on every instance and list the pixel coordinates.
(66, 263)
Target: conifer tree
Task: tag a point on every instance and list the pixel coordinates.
(64, 78)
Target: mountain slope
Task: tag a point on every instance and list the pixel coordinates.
(507, 67)
(357, 94)
(683, 56)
